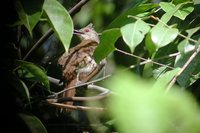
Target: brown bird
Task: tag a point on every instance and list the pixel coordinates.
(78, 64)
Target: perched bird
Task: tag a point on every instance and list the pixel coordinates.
(78, 64)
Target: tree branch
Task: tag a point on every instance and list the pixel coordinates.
(141, 58)
(183, 69)
(104, 93)
(76, 107)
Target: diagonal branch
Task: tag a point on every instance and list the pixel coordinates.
(77, 107)
(141, 58)
(183, 69)
(104, 93)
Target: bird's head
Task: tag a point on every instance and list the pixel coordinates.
(87, 32)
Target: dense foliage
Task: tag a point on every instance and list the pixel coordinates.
(152, 50)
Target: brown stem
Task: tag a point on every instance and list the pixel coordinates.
(77, 107)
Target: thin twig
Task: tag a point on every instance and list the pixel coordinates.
(183, 69)
(77, 107)
(79, 85)
(39, 43)
(104, 93)
(74, 10)
(190, 39)
(141, 58)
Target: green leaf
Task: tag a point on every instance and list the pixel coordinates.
(168, 15)
(29, 13)
(181, 13)
(161, 36)
(164, 79)
(20, 86)
(191, 73)
(196, 2)
(106, 46)
(136, 105)
(123, 18)
(33, 123)
(60, 21)
(35, 71)
(180, 1)
(151, 47)
(185, 45)
(134, 33)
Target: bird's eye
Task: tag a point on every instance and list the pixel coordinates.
(86, 30)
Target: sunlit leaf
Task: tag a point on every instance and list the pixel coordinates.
(181, 13)
(123, 18)
(29, 13)
(138, 108)
(33, 123)
(35, 71)
(60, 21)
(107, 42)
(134, 33)
(162, 36)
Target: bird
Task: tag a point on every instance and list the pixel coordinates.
(78, 64)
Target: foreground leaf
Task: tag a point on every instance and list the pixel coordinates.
(60, 21)
(140, 109)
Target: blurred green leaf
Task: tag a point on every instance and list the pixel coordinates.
(179, 1)
(123, 18)
(134, 33)
(181, 13)
(29, 13)
(37, 73)
(33, 123)
(107, 42)
(138, 108)
(196, 2)
(162, 36)
(60, 21)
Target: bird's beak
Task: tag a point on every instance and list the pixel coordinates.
(78, 32)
